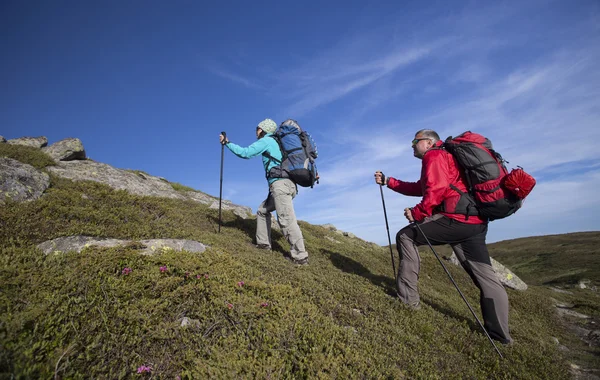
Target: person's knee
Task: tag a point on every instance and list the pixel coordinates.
(262, 212)
(402, 236)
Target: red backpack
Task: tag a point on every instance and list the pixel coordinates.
(497, 193)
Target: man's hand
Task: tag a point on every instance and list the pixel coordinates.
(223, 139)
(408, 214)
(380, 178)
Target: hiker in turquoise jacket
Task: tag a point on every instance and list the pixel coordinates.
(281, 193)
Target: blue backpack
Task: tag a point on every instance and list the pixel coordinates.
(299, 153)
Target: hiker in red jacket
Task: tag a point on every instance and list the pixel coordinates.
(446, 217)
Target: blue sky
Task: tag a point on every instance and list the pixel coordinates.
(149, 85)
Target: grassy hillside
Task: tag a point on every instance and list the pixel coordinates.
(552, 260)
(252, 313)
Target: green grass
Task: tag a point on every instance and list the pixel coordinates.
(76, 315)
(180, 187)
(552, 260)
(27, 155)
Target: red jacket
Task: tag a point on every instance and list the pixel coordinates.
(439, 170)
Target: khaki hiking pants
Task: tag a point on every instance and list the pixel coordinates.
(468, 242)
(281, 193)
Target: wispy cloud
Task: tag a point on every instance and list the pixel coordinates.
(236, 78)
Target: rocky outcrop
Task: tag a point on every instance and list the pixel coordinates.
(71, 163)
(138, 183)
(35, 142)
(66, 150)
(146, 247)
(333, 228)
(21, 182)
(2, 139)
(505, 275)
(241, 211)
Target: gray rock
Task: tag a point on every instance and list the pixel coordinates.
(329, 226)
(148, 247)
(571, 313)
(21, 182)
(134, 182)
(505, 275)
(138, 183)
(199, 197)
(558, 290)
(2, 139)
(36, 142)
(189, 322)
(241, 211)
(583, 284)
(66, 150)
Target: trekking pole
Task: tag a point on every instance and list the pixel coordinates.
(221, 181)
(457, 288)
(387, 227)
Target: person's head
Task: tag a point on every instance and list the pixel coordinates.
(264, 127)
(425, 139)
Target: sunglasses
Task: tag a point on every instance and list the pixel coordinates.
(416, 141)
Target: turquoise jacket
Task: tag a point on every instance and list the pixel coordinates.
(259, 147)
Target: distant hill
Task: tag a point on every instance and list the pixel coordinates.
(233, 311)
(554, 259)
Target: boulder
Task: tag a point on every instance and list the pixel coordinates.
(505, 275)
(329, 226)
(2, 139)
(21, 182)
(146, 247)
(36, 142)
(66, 150)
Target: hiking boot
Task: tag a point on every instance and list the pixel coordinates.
(303, 261)
(416, 305)
(505, 342)
(262, 246)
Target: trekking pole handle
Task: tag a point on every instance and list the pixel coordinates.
(224, 137)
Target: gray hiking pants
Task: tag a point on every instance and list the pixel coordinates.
(468, 242)
(281, 193)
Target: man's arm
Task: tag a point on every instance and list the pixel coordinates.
(435, 173)
(406, 188)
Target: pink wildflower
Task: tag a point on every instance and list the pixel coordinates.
(205, 275)
(144, 369)
(241, 283)
(264, 304)
(126, 271)
(229, 305)
(163, 269)
(198, 276)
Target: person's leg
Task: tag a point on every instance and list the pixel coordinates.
(284, 191)
(475, 258)
(439, 230)
(263, 222)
